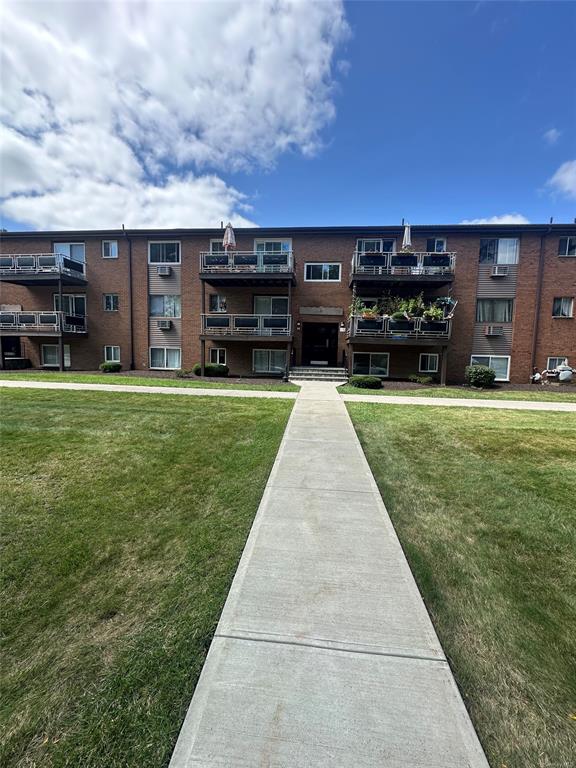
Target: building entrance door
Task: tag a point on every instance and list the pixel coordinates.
(320, 344)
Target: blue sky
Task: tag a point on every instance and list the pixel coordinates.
(315, 114)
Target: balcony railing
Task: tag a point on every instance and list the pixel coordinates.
(247, 325)
(42, 322)
(414, 264)
(416, 328)
(12, 264)
(247, 262)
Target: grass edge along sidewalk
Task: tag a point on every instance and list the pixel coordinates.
(537, 394)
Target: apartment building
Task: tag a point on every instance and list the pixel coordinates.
(349, 297)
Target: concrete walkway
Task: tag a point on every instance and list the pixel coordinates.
(325, 655)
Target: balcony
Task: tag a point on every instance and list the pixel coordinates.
(414, 331)
(247, 267)
(41, 269)
(423, 266)
(247, 326)
(41, 323)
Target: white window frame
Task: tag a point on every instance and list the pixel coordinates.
(566, 255)
(221, 302)
(113, 359)
(164, 367)
(570, 300)
(282, 240)
(104, 307)
(67, 357)
(218, 240)
(436, 241)
(493, 357)
(562, 358)
(220, 355)
(166, 242)
(361, 240)
(435, 355)
(109, 243)
(380, 375)
(73, 297)
(67, 255)
(322, 264)
(255, 351)
(163, 295)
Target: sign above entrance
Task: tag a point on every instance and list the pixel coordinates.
(333, 311)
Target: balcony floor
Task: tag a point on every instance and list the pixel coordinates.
(397, 341)
(248, 279)
(41, 280)
(367, 280)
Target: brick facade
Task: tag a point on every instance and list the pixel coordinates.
(542, 275)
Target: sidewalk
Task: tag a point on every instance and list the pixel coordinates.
(324, 655)
(459, 402)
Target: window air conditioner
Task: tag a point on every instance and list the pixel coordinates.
(499, 270)
(493, 330)
(164, 270)
(164, 325)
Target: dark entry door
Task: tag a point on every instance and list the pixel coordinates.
(11, 347)
(320, 344)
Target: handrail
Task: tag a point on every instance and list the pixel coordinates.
(40, 263)
(247, 261)
(51, 322)
(221, 324)
(396, 262)
(386, 327)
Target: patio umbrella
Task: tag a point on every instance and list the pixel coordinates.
(407, 239)
(229, 240)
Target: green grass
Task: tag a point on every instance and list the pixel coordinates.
(124, 518)
(545, 395)
(143, 381)
(484, 505)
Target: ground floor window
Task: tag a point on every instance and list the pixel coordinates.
(499, 363)
(51, 355)
(218, 355)
(428, 363)
(554, 362)
(371, 363)
(269, 360)
(165, 357)
(111, 354)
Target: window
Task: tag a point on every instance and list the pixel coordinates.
(317, 272)
(272, 246)
(270, 305)
(71, 304)
(218, 355)
(554, 362)
(503, 250)
(377, 245)
(217, 246)
(370, 363)
(165, 357)
(217, 303)
(75, 251)
(111, 354)
(567, 246)
(269, 360)
(494, 310)
(165, 306)
(428, 363)
(436, 245)
(563, 307)
(109, 249)
(110, 301)
(499, 363)
(51, 356)
(164, 253)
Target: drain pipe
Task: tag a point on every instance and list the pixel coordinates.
(129, 240)
(536, 325)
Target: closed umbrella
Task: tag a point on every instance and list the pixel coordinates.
(407, 239)
(229, 240)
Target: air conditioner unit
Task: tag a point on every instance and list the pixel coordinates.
(493, 330)
(499, 270)
(164, 325)
(164, 270)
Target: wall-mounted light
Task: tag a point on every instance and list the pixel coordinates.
(342, 327)
(298, 326)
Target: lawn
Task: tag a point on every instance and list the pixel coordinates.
(144, 381)
(551, 395)
(484, 505)
(124, 518)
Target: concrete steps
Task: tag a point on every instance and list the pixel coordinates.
(313, 373)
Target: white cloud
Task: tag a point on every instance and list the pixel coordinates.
(119, 103)
(551, 136)
(506, 218)
(563, 182)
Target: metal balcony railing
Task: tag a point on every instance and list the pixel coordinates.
(242, 262)
(246, 325)
(387, 263)
(40, 263)
(415, 328)
(42, 322)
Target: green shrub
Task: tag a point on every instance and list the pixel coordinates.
(480, 376)
(365, 382)
(420, 379)
(110, 367)
(185, 373)
(211, 369)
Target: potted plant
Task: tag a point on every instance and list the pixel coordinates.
(400, 321)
